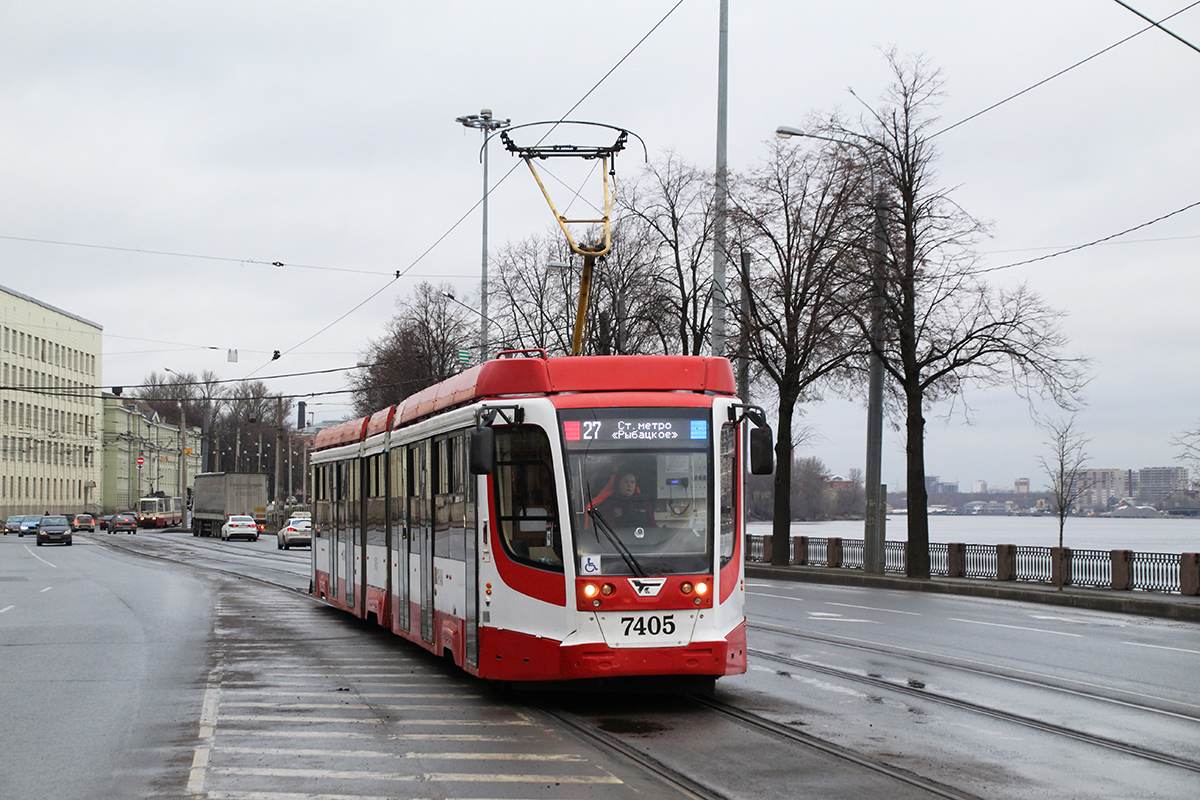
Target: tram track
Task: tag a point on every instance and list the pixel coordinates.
(1033, 680)
(194, 554)
(1042, 726)
(688, 786)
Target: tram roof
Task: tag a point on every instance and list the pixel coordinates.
(518, 375)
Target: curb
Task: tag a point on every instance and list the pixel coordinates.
(1146, 604)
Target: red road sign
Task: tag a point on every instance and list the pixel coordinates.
(141, 461)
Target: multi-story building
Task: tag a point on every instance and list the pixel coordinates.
(133, 431)
(1021, 486)
(49, 407)
(1155, 483)
(1102, 488)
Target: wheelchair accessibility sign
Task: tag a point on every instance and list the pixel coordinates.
(590, 565)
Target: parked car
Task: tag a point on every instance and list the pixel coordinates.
(123, 522)
(29, 524)
(54, 528)
(298, 531)
(12, 525)
(82, 522)
(240, 525)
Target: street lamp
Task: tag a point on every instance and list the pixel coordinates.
(484, 122)
(875, 516)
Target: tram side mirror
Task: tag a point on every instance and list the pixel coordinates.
(483, 451)
(762, 460)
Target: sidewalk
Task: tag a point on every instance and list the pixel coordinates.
(1151, 604)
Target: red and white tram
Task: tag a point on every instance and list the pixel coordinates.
(548, 519)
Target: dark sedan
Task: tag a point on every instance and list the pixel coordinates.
(54, 528)
(12, 525)
(123, 522)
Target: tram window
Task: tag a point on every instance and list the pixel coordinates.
(729, 500)
(526, 497)
(376, 505)
(449, 506)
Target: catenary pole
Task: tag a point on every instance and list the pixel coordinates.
(720, 255)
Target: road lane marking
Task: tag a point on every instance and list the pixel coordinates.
(1016, 627)
(435, 777)
(289, 718)
(873, 608)
(295, 796)
(39, 558)
(43, 591)
(348, 706)
(1163, 647)
(416, 737)
(292, 751)
(331, 693)
(6, 608)
(779, 596)
(829, 616)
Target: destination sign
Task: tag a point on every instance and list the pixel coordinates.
(634, 430)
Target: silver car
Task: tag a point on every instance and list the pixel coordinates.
(297, 532)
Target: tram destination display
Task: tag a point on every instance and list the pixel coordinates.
(633, 431)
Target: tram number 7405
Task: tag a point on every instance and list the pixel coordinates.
(650, 625)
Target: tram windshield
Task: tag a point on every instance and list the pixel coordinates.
(639, 489)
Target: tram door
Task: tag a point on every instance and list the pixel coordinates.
(471, 551)
(420, 524)
(350, 531)
(337, 484)
(398, 535)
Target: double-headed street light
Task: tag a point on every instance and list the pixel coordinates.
(876, 513)
(484, 122)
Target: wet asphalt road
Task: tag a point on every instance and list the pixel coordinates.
(102, 659)
(123, 676)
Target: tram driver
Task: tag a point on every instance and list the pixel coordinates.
(626, 507)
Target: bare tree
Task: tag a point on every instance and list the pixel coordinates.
(1065, 467)
(531, 301)
(419, 348)
(946, 327)
(795, 214)
(1188, 446)
(673, 204)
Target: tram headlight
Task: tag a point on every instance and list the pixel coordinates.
(590, 590)
(701, 588)
(607, 589)
(686, 587)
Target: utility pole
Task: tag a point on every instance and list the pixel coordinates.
(278, 452)
(484, 122)
(875, 518)
(720, 256)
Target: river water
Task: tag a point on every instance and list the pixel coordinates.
(1157, 535)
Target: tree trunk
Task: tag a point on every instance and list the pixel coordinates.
(781, 519)
(917, 550)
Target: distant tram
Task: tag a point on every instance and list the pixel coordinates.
(549, 519)
(160, 512)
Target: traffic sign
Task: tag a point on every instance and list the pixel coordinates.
(140, 462)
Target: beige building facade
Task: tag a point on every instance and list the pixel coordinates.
(50, 408)
(132, 431)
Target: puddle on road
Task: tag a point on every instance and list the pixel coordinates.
(630, 727)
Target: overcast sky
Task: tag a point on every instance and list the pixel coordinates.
(219, 138)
